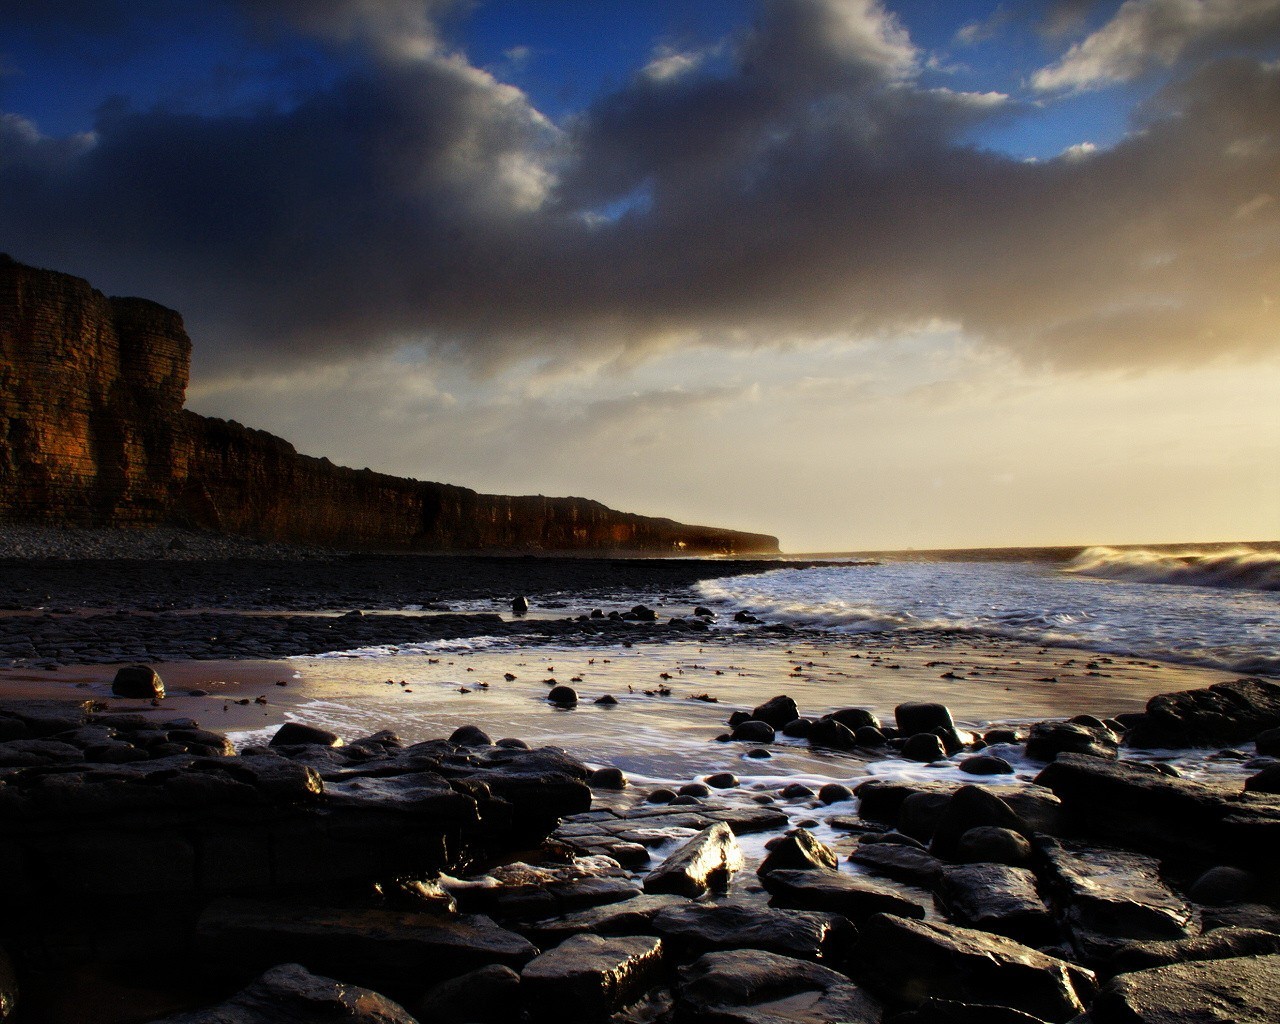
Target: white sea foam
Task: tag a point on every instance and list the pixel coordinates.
(1237, 568)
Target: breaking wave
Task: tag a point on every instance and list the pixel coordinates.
(1235, 568)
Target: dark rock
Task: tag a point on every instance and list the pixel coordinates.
(754, 732)
(705, 861)
(1224, 885)
(795, 791)
(1268, 742)
(1242, 990)
(296, 734)
(911, 961)
(854, 719)
(697, 928)
(628, 917)
(827, 732)
(1242, 915)
(1220, 715)
(685, 800)
(925, 747)
(470, 736)
(900, 862)
(869, 736)
(986, 764)
(834, 793)
(778, 711)
(1266, 781)
(139, 682)
(703, 612)
(519, 605)
(607, 778)
(971, 807)
(1222, 944)
(38, 753)
(290, 994)
(921, 812)
(990, 845)
(723, 780)
(608, 700)
(799, 850)
(661, 795)
(934, 718)
(855, 897)
(753, 987)
(490, 995)
(563, 696)
(1049, 739)
(588, 978)
(950, 1011)
(997, 898)
(993, 736)
(798, 729)
(738, 717)
(694, 789)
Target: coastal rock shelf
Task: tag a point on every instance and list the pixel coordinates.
(95, 434)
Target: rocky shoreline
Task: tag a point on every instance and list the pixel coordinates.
(473, 879)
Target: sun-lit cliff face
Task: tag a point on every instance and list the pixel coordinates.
(93, 432)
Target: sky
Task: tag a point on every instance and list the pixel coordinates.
(860, 274)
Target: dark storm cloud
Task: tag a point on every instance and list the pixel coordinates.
(802, 185)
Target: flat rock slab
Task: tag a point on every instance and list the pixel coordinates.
(999, 899)
(588, 977)
(696, 928)
(632, 917)
(1112, 897)
(389, 951)
(1220, 944)
(1242, 990)
(905, 863)
(290, 994)
(911, 961)
(855, 897)
(752, 987)
(706, 860)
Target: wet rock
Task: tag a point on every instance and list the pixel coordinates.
(1049, 739)
(834, 793)
(388, 951)
(290, 994)
(968, 808)
(563, 696)
(854, 719)
(38, 753)
(911, 961)
(1222, 944)
(855, 897)
(868, 736)
(753, 731)
(950, 1011)
(723, 780)
(1242, 915)
(798, 729)
(990, 845)
(901, 862)
(799, 850)
(1220, 715)
(1224, 885)
(997, 898)
(913, 718)
(924, 747)
(1242, 990)
(629, 917)
(519, 605)
(490, 995)
(921, 812)
(755, 987)
(608, 700)
(1266, 781)
(705, 861)
(827, 732)
(694, 789)
(1110, 897)
(696, 928)
(587, 978)
(661, 795)
(470, 736)
(1268, 742)
(296, 734)
(778, 711)
(138, 682)
(795, 791)
(985, 764)
(607, 778)
(993, 736)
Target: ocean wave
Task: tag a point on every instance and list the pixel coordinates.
(1235, 568)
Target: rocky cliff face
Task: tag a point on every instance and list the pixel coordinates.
(93, 432)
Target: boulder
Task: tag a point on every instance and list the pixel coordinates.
(489, 995)
(971, 807)
(1268, 742)
(138, 682)
(607, 778)
(989, 845)
(705, 861)
(1223, 885)
(470, 736)
(827, 732)
(629, 917)
(900, 862)
(834, 793)
(854, 896)
(1220, 715)
(1049, 739)
(749, 986)
(799, 850)
(924, 747)
(753, 731)
(985, 764)
(697, 928)
(296, 734)
(1266, 781)
(290, 994)
(911, 961)
(1222, 944)
(1242, 990)
(999, 899)
(854, 719)
(913, 718)
(778, 711)
(588, 978)
(562, 696)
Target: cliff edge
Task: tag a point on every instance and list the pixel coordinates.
(93, 433)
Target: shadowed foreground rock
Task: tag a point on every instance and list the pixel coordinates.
(587, 978)
(1244, 990)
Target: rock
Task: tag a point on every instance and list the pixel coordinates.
(753, 987)
(834, 793)
(470, 736)
(798, 729)
(290, 994)
(1268, 742)
(489, 995)
(911, 961)
(38, 753)
(695, 928)
(661, 795)
(778, 711)
(704, 612)
(854, 719)
(705, 861)
(993, 736)
(985, 764)
(934, 718)
(950, 1011)
(795, 791)
(901, 862)
(855, 897)
(139, 682)
(607, 778)
(608, 700)
(989, 845)
(563, 696)
(1266, 781)
(924, 747)
(1109, 897)
(1222, 944)
(753, 732)
(1221, 715)
(868, 736)
(1049, 739)
(8, 987)
(799, 850)
(827, 732)
(588, 978)
(1242, 990)
(629, 917)
(296, 734)
(723, 780)
(519, 605)
(971, 807)
(694, 789)
(1242, 915)
(921, 812)
(1224, 885)
(997, 898)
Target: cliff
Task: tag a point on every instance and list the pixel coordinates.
(93, 432)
